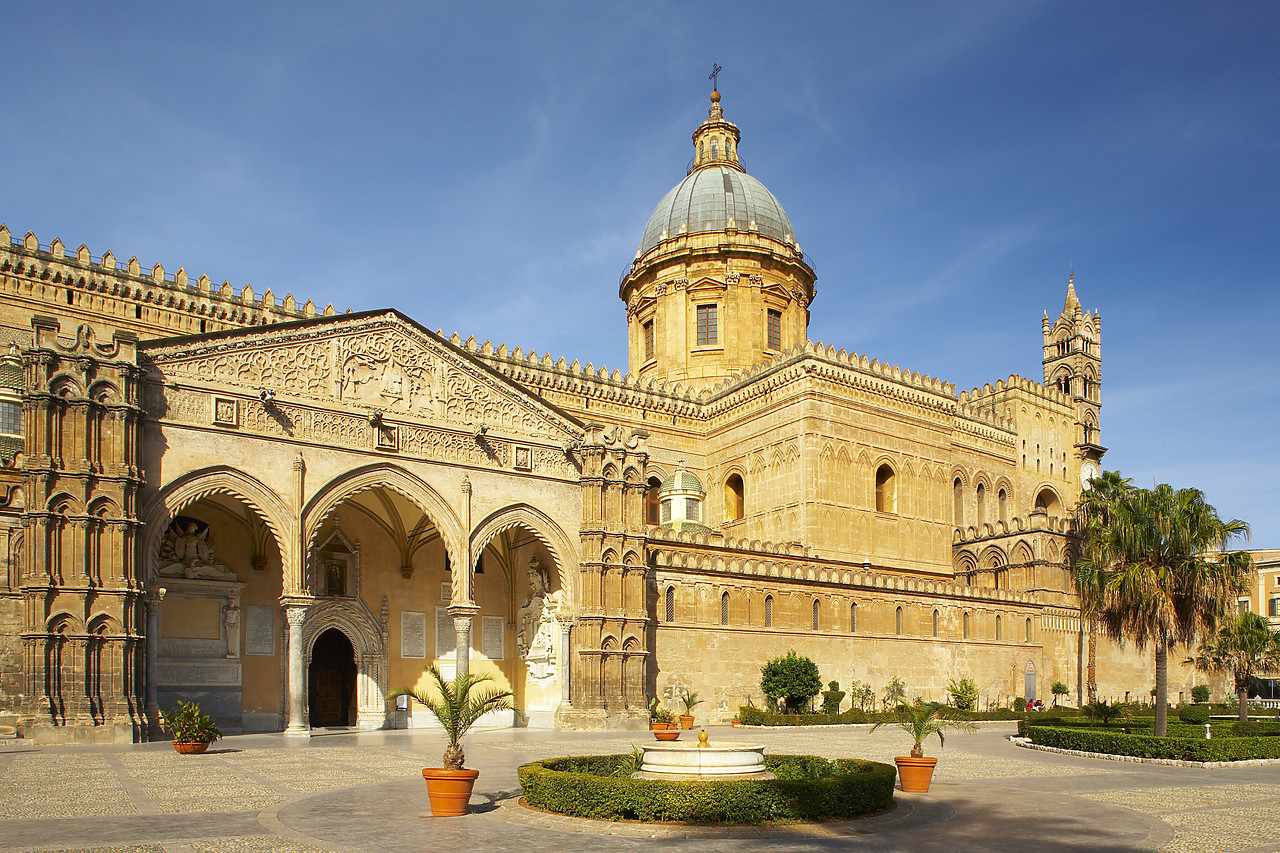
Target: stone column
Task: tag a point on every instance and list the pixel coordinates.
(463, 616)
(297, 726)
(565, 663)
(152, 665)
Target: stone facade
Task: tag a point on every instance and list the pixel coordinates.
(285, 513)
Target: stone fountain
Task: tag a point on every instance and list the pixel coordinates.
(702, 761)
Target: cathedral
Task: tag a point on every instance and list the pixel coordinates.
(284, 512)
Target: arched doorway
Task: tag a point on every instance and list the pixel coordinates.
(1029, 681)
(331, 680)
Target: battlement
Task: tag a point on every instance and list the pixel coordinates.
(161, 302)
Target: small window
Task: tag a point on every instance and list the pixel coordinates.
(997, 627)
(10, 417)
(1242, 605)
(1273, 607)
(853, 618)
(652, 506)
(733, 498)
(670, 615)
(691, 506)
(715, 148)
(724, 608)
(817, 615)
(774, 329)
(648, 340)
(666, 511)
(966, 626)
(1002, 500)
(708, 335)
(897, 621)
(768, 611)
(982, 503)
(935, 623)
(886, 497)
(957, 508)
(1028, 635)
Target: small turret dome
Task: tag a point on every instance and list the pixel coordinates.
(680, 498)
(714, 199)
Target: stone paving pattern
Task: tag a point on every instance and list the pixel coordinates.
(347, 792)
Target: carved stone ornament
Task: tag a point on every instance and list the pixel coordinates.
(187, 552)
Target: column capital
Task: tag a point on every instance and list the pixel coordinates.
(463, 611)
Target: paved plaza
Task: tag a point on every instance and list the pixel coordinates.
(342, 791)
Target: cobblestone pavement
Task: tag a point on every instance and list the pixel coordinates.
(348, 792)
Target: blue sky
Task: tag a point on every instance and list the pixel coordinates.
(488, 168)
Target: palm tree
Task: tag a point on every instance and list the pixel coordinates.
(1156, 571)
(1242, 648)
(459, 707)
(1092, 509)
(921, 720)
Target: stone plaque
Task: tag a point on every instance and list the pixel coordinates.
(446, 591)
(259, 629)
(446, 637)
(491, 638)
(413, 634)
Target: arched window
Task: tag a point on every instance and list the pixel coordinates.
(768, 611)
(966, 626)
(997, 627)
(724, 608)
(853, 617)
(652, 508)
(982, 503)
(935, 623)
(670, 604)
(1002, 499)
(957, 503)
(734, 498)
(1028, 630)
(897, 620)
(817, 615)
(1048, 502)
(885, 489)
(715, 148)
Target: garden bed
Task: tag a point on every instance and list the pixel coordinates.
(1179, 745)
(808, 788)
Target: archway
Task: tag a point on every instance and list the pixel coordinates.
(331, 680)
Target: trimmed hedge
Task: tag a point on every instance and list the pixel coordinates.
(1112, 742)
(807, 788)
(756, 717)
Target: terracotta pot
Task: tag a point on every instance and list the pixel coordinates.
(686, 721)
(735, 723)
(655, 726)
(191, 748)
(667, 735)
(915, 774)
(449, 791)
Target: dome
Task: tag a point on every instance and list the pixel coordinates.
(707, 199)
(681, 481)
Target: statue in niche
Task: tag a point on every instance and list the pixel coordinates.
(231, 617)
(539, 631)
(187, 552)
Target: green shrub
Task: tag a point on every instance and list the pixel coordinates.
(1248, 728)
(791, 679)
(189, 724)
(831, 698)
(964, 693)
(1200, 693)
(1194, 714)
(895, 692)
(1148, 746)
(756, 717)
(807, 788)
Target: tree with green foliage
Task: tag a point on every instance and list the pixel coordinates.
(1157, 572)
(791, 679)
(1104, 711)
(920, 720)
(1094, 508)
(1059, 689)
(862, 696)
(964, 693)
(1243, 647)
(1200, 693)
(895, 692)
(462, 701)
(831, 698)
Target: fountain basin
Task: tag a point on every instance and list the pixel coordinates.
(722, 761)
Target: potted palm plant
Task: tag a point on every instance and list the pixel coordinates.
(915, 771)
(690, 701)
(193, 730)
(460, 704)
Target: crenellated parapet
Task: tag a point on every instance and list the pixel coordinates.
(151, 302)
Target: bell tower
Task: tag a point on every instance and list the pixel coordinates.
(1073, 365)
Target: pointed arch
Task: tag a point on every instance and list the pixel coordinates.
(545, 530)
(173, 498)
(358, 624)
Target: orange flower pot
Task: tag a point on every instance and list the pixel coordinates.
(915, 774)
(667, 735)
(686, 722)
(191, 748)
(449, 791)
